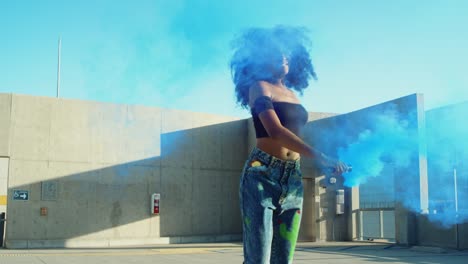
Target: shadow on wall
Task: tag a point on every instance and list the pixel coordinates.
(197, 176)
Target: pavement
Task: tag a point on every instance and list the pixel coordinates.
(231, 253)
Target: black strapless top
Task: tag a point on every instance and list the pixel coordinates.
(292, 116)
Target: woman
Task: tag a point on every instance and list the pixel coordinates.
(268, 66)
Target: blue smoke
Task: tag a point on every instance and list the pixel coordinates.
(390, 144)
(388, 138)
(447, 167)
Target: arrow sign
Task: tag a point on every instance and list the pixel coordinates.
(20, 195)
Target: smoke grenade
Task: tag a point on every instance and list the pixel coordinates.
(332, 179)
(349, 169)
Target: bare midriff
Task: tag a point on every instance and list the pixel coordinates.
(273, 148)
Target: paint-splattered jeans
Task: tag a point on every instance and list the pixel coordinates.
(271, 194)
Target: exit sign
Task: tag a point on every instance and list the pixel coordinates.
(20, 195)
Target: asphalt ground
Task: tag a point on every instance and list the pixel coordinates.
(231, 253)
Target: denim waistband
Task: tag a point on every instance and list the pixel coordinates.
(266, 158)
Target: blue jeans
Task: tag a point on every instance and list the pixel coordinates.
(271, 194)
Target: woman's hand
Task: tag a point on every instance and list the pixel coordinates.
(336, 166)
(340, 167)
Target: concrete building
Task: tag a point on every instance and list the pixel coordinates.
(81, 174)
(90, 168)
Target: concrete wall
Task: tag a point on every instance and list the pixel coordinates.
(431, 233)
(93, 167)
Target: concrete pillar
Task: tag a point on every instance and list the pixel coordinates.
(331, 226)
(411, 187)
(5, 121)
(352, 200)
(3, 183)
(307, 229)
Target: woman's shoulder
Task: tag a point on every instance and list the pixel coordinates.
(263, 85)
(258, 89)
(261, 88)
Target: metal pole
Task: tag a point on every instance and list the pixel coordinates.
(58, 66)
(457, 239)
(455, 185)
(2, 228)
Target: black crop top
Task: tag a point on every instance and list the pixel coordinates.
(292, 116)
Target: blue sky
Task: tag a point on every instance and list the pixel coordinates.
(175, 54)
